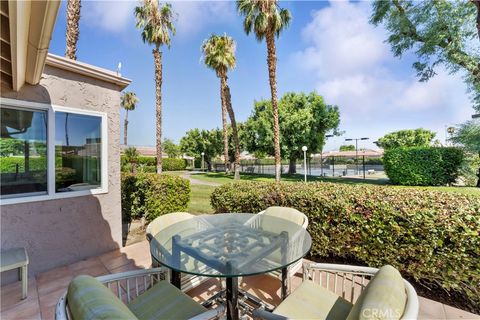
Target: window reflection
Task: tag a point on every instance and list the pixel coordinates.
(23, 152)
(77, 152)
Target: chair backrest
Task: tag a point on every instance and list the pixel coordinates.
(165, 221)
(385, 297)
(287, 213)
(88, 298)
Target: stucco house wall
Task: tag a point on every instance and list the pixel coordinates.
(61, 231)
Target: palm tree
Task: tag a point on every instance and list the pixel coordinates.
(156, 20)
(129, 103)
(73, 32)
(219, 55)
(266, 19)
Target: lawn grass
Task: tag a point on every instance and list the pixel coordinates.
(200, 199)
(222, 178)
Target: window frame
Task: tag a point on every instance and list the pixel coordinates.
(51, 109)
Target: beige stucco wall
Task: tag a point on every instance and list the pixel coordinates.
(59, 232)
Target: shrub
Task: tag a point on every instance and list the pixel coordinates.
(423, 166)
(169, 164)
(174, 164)
(151, 195)
(430, 236)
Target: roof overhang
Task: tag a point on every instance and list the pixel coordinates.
(31, 25)
(87, 70)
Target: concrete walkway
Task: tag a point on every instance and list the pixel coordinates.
(187, 175)
(46, 288)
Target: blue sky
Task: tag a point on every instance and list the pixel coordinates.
(329, 47)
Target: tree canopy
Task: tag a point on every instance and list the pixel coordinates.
(197, 141)
(156, 22)
(304, 121)
(406, 138)
(171, 148)
(348, 147)
(441, 32)
(468, 135)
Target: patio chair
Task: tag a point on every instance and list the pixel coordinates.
(139, 294)
(16, 258)
(296, 217)
(188, 281)
(331, 291)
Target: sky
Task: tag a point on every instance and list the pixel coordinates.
(329, 48)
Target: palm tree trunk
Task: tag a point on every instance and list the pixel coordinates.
(224, 122)
(73, 31)
(125, 128)
(157, 55)
(272, 66)
(231, 114)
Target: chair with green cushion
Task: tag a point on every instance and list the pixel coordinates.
(139, 294)
(333, 292)
(292, 215)
(162, 222)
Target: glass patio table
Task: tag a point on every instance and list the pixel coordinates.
(230, 245)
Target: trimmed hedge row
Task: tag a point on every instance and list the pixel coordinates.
(423, 166)
(151, 195)
(430, 236)
(168, 164)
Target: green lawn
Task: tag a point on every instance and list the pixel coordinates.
(200, 199)
(221, 178)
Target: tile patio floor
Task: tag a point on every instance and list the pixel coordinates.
(46, 288)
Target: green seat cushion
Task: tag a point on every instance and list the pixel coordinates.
(165, 301)
(88, 298)
(383, 298)
(312, 301)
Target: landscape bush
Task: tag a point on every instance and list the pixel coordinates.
(423, 166)
(430, 236)
(168, 164)
(151, 195)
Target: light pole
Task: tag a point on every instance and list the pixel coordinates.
(203, 156)
(475, 116)
(304, 149)
(356, 149)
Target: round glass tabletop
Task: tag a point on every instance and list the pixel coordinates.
(230, 245)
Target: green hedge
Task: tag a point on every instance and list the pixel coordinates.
(151, 195)
(423, 166)
(168, 164)
(8, 164)
(430, 236)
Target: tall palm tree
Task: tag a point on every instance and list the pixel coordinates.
(129, 103)
(73, 31)
(219, 55)
(266, 19)
(156, 20)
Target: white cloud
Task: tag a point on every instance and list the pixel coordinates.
(193, 16)
(111, 16)
(354, 69)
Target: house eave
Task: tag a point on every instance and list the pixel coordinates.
(87, 70)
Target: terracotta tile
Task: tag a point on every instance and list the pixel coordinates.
(85, 264)
(53, 274)
(62, 283)
(143, 247)
(11, 294)
(430, 309)
(28, 309)
(266, 288)
(115, 262)
(48, 313)
(127, 267)
(454, 313)
(49, 301)
(205, 290)
(94, 271)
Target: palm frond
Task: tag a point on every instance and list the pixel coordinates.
(157, 22)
